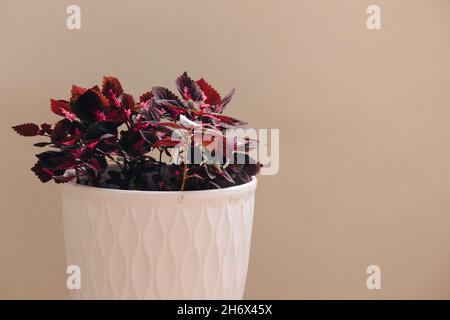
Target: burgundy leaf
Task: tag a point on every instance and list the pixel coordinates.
(87, 105)
(87, 138)
(43, 175)
(166, 143)
(27, 129)
(77, 92)
(99, 130)
(111, 85)
(41, 144)
(103, 99)
(127, 101)
(62, 130)
(64, 179)
(57, 106)
(45, 129)
(132, 143)
(175, 111)
(173, 125)
(145, 96)
(118, 116)
(98, 163)
(212, 96)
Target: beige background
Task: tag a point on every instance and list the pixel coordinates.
(364, 118)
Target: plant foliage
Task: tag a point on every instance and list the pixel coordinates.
(107, 139)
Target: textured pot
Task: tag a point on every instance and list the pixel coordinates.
(159, 245)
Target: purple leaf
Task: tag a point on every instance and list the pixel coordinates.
(162, 93)
(224, 102)
(188, 88)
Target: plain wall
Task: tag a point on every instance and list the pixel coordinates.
(363, 116)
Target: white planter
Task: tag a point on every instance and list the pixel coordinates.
(159, 245)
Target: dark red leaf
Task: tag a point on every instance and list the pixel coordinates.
(104, 101)
(117, 116)
(42, 174)
(166, 143)
(99, 130)
(45, 129)
(128, 101)
(212, 96)
(57, 106)
(173, 125)
(175, 111)
(132, 143)
(64, 179)
(27, 129)
(98, 163)
(111, 84)
(77, 92)
(145, 96)
(41, 144)
(61, 130)
(87, 105)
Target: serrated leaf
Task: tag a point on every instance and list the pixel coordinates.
(57, 106)
(45, 129)
(127, 101)
(150, 111)
(162, 93)
(77, 92)
(145, 96)
(87, 105)
(188, 88)
(212, 96)
(42, 174)
(111, 85)
(27, 129)
(61, 130)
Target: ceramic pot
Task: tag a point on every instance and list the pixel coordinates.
(159, 245)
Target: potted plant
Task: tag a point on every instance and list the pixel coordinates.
(157, 199)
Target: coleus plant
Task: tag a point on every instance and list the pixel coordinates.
(107, 139)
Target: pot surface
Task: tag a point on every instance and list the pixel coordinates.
(159, 245)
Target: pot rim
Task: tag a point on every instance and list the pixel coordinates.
(239, 189)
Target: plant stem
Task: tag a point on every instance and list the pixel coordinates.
(185, 176)
(160, 162)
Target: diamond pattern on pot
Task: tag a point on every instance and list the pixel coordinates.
(137, 246)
